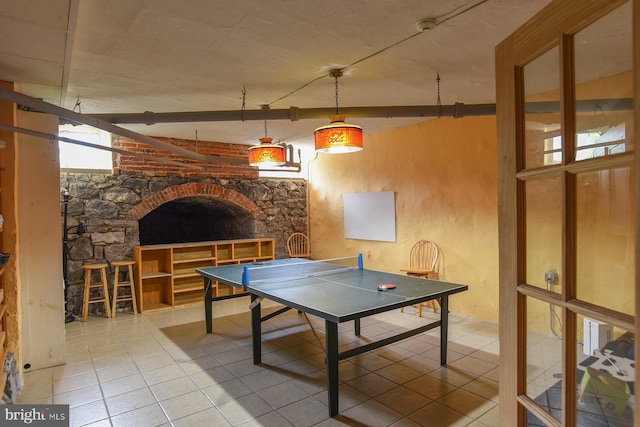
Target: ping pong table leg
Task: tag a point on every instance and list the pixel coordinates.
(444, 328)
(256, 330)
(356, 324)
(332, 366)
(208, 312)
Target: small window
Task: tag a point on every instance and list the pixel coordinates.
(590, 144)
(553, 150)
(76, 156)
(600, 142)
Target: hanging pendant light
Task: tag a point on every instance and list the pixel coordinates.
(338, 136)
(267, 154)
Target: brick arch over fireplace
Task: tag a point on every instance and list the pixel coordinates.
(193, 189)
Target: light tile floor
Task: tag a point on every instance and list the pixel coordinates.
(162, 369)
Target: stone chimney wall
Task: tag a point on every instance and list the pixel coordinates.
(107, 206)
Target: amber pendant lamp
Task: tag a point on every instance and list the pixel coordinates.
(267, 154)
(338, 136)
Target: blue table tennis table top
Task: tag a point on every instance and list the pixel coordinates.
(340, 296)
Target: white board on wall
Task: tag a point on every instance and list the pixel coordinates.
(370, 216)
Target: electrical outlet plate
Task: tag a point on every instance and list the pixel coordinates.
(550, 276)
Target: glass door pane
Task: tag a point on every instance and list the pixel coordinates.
(543, 141)
(544, 233)
(544, 356)
(605, 376)
(604, 86)
(605, 258)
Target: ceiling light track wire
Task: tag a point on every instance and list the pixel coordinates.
(78, 106)
(244, 98)
(297, 90)
(463, 8)
(345, 67)
(424, 24)
(336, 74)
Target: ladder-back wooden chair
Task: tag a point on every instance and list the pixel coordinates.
(298, 246)
(423, 262)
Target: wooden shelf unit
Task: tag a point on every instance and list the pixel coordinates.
(165, 275)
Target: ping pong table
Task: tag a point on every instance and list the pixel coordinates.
(334, 292)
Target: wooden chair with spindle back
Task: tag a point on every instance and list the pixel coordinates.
(423, 262)
(298, 246)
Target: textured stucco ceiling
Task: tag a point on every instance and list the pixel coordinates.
(200, 55)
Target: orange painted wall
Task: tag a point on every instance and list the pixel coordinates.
(444, 175)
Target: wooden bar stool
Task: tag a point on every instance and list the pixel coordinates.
(128, 270)
(88, 285)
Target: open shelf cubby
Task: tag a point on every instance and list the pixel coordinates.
(165, 275)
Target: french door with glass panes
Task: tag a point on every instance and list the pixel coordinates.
(567, 82)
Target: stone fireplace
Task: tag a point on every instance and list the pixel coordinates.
(120, 212)
(195, 219)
